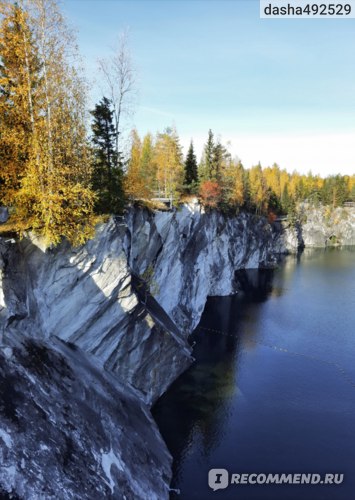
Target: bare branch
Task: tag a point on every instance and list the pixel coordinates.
(119, 78)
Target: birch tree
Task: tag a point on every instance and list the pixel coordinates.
(52, 193)
(119, 80)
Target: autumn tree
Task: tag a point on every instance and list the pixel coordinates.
(351, 187)
(335, 191)
(295, 186)
(148, 166)
(20, 91)
(258, 189)
(234, 185)
(135, 185)
(169, 163)
(287, 203)
(52, 194)
(210, 193)
(272, 180)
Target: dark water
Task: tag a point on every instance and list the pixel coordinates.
(275, 395)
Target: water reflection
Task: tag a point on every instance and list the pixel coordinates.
(206, 391)
(255, 284)
(247, 407)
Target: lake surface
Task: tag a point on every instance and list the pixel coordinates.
(273, 386)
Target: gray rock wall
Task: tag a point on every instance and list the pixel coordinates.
(84, 355)
(85, 296)
(195, 254)
(70, 430)
(74, 416)
(325, 226)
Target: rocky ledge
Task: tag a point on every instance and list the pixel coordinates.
(70, 430)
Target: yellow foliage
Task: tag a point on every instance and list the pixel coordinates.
(272, 179)
(258, 188)
(233, 178)
(168, 159)
(135, 185)
(45, 161)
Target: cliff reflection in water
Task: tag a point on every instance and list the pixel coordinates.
(199, 402)
(272, 388)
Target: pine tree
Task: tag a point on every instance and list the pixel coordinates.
(191, 175)
(107, 170)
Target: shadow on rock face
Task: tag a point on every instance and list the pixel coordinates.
(76, 362)
(85, 296)
(68, 429)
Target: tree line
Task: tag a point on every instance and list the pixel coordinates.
(56, 176)
(156, 166)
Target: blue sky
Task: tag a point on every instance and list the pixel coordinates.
(279, 90)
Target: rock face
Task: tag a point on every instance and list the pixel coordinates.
(85, 296)
(195, 254)
(71, 427)
(86, 349)
(328, 227)
(4, 215)
(70, 430)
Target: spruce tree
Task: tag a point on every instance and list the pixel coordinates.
(219, 153)
(206, 166)
(107, 169)
(191, 177)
